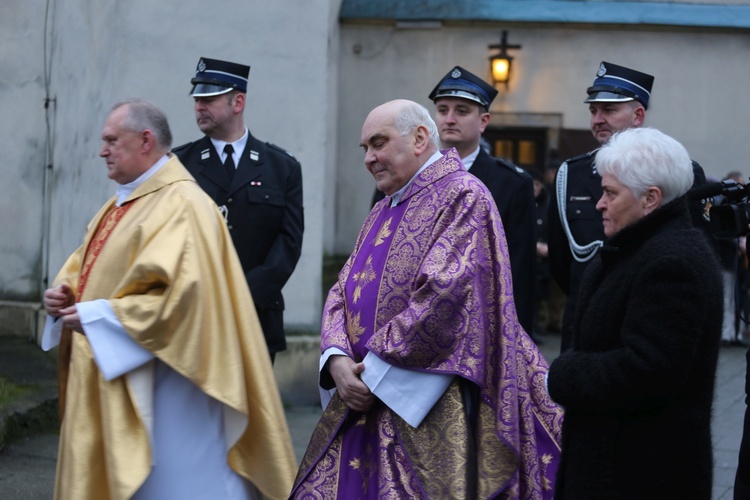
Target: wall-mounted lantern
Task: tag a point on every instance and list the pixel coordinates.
(500, 64)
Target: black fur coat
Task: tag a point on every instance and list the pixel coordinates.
(638, 383)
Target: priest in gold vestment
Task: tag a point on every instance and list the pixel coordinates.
(166, 389)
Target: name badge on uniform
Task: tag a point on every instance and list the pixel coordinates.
(205, 154)
(580, 198)
(254, 155)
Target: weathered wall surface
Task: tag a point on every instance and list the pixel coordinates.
(312, 84)
(696, 98)
(24, 153)
(97, 53)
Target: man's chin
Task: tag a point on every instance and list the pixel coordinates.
(383, 187)
(603, 137)
(450, 139)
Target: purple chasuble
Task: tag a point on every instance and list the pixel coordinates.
(359, 458)
(363, 283)
(428, 288)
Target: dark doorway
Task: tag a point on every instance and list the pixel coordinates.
(528, 147)
(524, 146)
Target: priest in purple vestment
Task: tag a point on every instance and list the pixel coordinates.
(432, 389)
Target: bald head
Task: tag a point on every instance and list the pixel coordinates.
(398, 137)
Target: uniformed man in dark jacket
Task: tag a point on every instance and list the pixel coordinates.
(617, 101)
(462, 101)
(258, 187)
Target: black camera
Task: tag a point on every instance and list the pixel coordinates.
(731, 218)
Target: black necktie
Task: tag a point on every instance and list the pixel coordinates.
(229, 162)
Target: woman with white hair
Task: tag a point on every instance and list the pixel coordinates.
(637, 384)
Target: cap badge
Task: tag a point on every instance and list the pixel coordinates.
(201, 66)
(602, 70)
(456, 73)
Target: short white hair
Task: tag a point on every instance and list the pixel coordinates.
(412, 115)
(644, 157)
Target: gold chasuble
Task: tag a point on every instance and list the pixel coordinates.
(171, 275)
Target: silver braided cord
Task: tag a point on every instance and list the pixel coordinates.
(581, 253)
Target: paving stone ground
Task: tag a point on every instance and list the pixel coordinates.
(27, 465)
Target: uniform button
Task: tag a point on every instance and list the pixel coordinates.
(230, 200)
(266, 197)
(539, 222)
(578, 211)
(230, 227)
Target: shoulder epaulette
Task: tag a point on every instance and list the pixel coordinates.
(512, 167)
(583, 156)
(278, 148)
(179, 148)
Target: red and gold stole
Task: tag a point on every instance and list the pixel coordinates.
(106, 226)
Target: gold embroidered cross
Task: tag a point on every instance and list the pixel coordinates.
(362, 278)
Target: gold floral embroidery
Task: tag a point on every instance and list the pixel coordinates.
(546, 460)
(385, 232)
(362, 278)
(354, 328)
(366, 467)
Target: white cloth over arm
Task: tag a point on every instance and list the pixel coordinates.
(410, 394)
(186, 427)
(115, 352)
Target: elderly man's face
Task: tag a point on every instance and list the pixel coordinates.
(122, 148)
(618, 205)
(610, 117)
(389, 157)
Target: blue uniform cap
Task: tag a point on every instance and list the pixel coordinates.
(466, 85)
(615, 83)
(214, 77)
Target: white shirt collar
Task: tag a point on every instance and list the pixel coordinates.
(469, 160)
(396, 197)
(238, 145)
(125, 190)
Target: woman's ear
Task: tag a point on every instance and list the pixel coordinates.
(652, 199)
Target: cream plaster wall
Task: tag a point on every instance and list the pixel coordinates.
(697, 96)
(312, 84)
(23, 149)
(101, 52)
